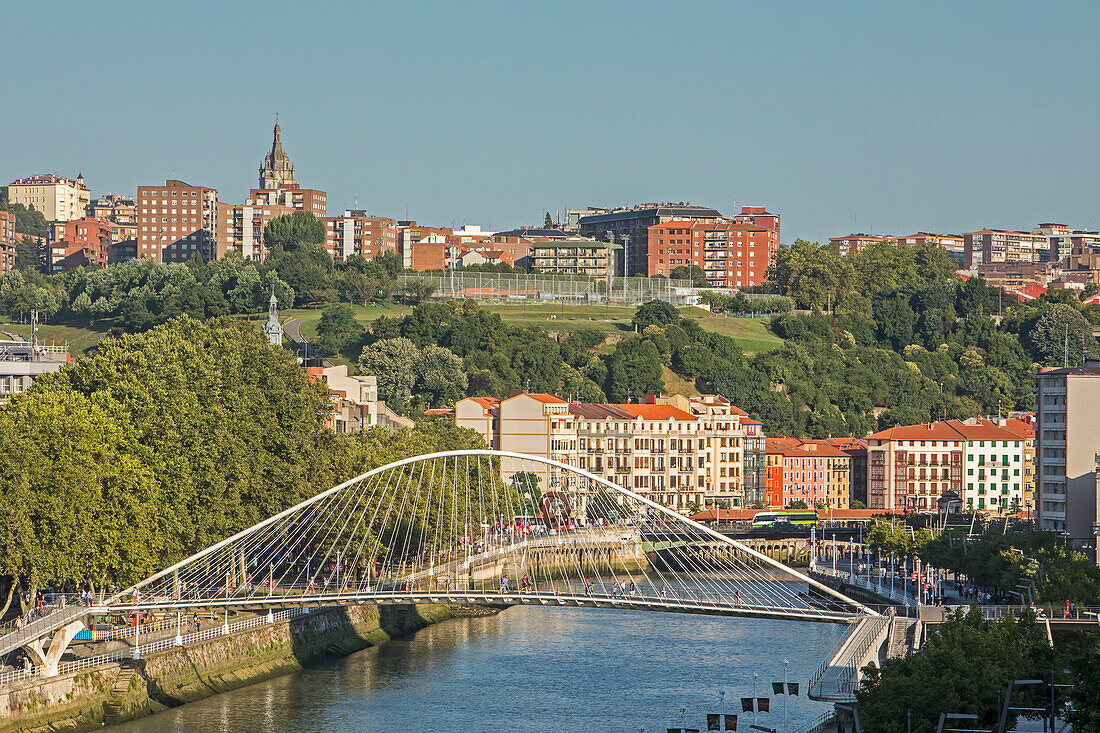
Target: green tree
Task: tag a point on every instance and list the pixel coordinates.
(963, 668)
(28, 255)
(697, 275)
(440, 378)
(229, 425)
(394, 363)
(293, 231)
(635, 371)
(1060, 334)
(655, 312)
(339, 321)
(548, 222)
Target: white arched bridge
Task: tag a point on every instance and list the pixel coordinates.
(470, 526)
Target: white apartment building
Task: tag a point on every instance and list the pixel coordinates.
(57, 197)
(1067, 451)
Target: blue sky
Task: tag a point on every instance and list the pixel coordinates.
(942, 116)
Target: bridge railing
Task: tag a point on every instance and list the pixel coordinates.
(891, 590)
(30, 672)
(846, 657)
(1051, 612)
(822, 722)
(54, 602)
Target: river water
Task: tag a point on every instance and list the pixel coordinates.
(551, 670)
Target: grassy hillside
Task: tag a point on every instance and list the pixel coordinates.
(80, 338)
(751, 334)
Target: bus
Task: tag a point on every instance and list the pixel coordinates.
(798, 518)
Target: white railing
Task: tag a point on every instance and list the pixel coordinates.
(887, 590)
(11, 676)
(822, 722)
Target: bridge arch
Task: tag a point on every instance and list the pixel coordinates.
(487, 526)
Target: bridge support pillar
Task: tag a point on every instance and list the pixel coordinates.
(179, 629)
(49, 659)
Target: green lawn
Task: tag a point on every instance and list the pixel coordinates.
(558, 317)
(751, 333)
(312, 316)
(80, 339)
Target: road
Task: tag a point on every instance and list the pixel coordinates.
(292, 329)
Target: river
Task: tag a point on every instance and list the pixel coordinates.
(550, 670)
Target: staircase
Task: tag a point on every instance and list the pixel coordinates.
(903, 637)
(113, 707)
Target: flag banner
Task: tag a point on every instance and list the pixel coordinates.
(714, 721)
(746, 704)
(762, 704)
(777, 688)
(731, 722)
(792, 688)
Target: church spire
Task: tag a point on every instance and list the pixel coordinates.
(277, 142)
(276, 169)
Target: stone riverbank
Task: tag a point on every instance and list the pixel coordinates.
(85, 700)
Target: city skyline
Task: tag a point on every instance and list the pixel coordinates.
(858, 119)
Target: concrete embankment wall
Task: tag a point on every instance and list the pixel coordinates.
(83, 701)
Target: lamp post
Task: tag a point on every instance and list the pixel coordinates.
(785, 695)
(905, 579)
(754, 702)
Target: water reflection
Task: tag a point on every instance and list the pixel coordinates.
(547, 669)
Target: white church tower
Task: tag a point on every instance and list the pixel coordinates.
(273, 328)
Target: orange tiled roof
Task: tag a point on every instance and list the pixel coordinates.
(543, 397)
(657, 412)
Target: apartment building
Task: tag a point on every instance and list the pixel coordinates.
(808, 471)
(1067, 451)
(355, 403)
(57, 197)
(855, 242)
(682, 452)
(293, 197)
(575, 256)
(910, 466)
(1063, 241)
(629, 227)
(422, 248)
(78, 243)
(856, 451)
(177, 221)
(992, 246)
(7, 241)
(732, 254)
(955, 244)
(482, 415)
(240, 227)
(113, 206)
(357, 233)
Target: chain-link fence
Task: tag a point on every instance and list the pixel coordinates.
(518, 287)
